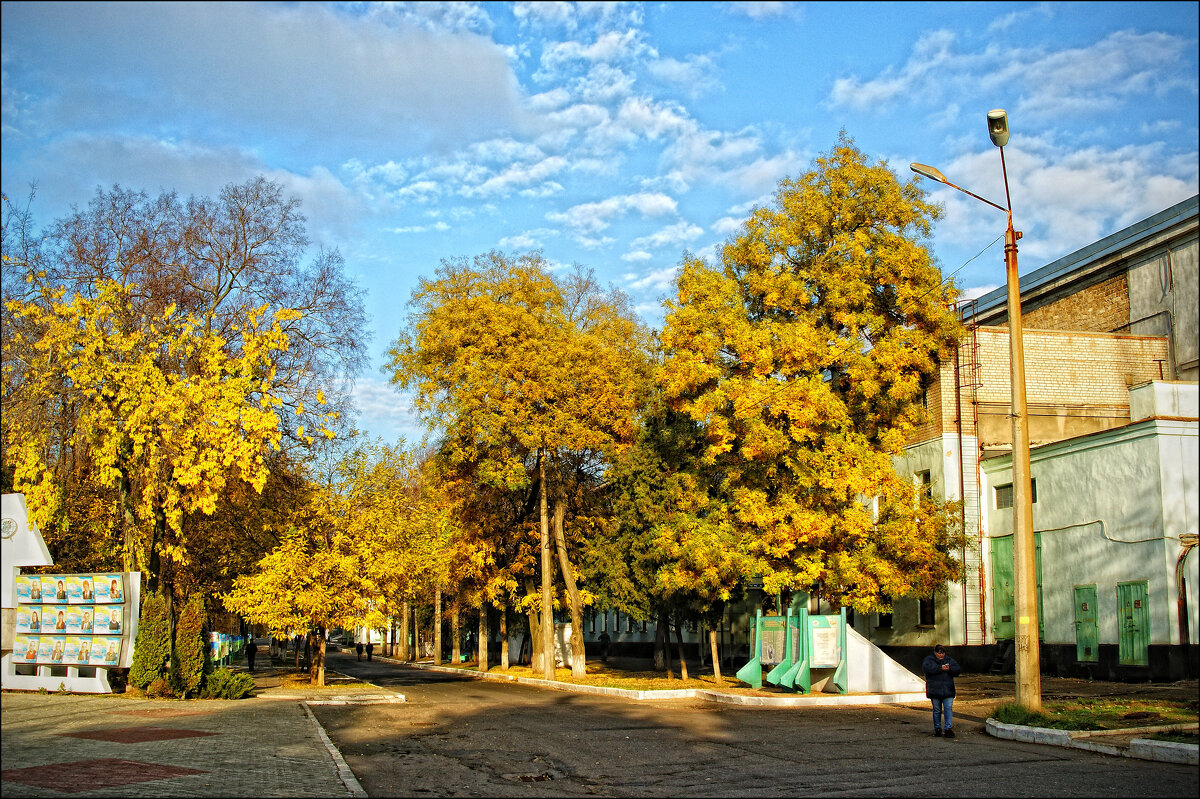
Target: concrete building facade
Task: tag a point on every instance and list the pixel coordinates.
(1118, 314)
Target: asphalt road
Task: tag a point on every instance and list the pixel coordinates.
(462, 737)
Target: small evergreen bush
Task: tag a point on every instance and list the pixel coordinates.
(153, 644)
(160, 689)
(190, 649)
(226, 684)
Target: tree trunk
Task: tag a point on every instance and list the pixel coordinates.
(482, 657)
(319, 660)
(129, 520)
(661, 656)
(578, 655)
(437, 626)
(405, 626)
(547, 598)
(504, 633)
(683, 672)
(455, 639)
(534, 620)
(716, 656)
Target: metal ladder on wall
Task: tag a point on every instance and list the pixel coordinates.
(969, 382)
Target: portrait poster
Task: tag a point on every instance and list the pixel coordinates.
(29, 588)
(35, 619)
(74, 620)
(75, 588)
(109, 588)
(45, 648)
(54, 589)
(25, 649)
(83, 650)
(23, 615)
(106, 650)
(70, 654)
(87, 615)
(110, 621)
(54, 619)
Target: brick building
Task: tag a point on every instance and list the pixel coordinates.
(1115, 315)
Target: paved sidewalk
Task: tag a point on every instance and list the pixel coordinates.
(112, 745)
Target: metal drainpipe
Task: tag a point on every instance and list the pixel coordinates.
(1187, 543)
(962, 487)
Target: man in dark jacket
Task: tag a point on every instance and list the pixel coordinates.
(940, 671)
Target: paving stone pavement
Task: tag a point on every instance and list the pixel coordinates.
(257, 747)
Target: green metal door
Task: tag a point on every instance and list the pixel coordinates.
(1037, 548)
(1003, 586)
(1133, 623)
(1087, 632)
(1003, 608)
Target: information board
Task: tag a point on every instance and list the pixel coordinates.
(826, 641)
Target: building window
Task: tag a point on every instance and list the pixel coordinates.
(628, 623)
(616, 621)
(1004, 495)
(643, 625)
(593, 623)
(926, 614)
(605, 621)
(924, 483)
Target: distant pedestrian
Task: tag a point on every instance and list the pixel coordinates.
(605, 643)
(251, 651)
(358, 647)
(940, 671)
(370, 650)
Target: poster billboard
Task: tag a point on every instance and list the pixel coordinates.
(70, 619)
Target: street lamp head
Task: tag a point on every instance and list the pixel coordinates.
(926, 171)
(998, 126)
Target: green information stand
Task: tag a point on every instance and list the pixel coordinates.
(792, 646)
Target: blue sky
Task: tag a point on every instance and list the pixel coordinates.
(611, 135)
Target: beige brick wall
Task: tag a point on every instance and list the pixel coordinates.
(1100, 308)
(1084, 373)
(1070, 367)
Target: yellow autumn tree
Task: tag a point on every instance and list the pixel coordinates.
(367, 537)
(802, 356)
(519, 369)
(167, 414)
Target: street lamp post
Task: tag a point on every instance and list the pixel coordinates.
(1028, 657)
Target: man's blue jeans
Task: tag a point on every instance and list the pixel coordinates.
(943, 707)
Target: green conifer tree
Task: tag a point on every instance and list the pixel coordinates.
(152, 648)
(190, 650)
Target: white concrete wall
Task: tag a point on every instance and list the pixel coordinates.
(1111, 507)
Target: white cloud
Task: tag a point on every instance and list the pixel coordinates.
(678, 233)
(759, 9)
(439, 227)
(656, 280)
(637, 256)
(591, 218)
(256, 67)
(528, 240)
(931, 51)
(727, 225)
(695, 73)
(1063, 197)
(386, 411)
(518, 176)
(1015, 18)
(1049, 83)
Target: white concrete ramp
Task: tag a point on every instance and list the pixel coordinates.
(873, 672)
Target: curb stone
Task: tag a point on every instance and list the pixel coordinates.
(1140, 748)
(688, 693)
